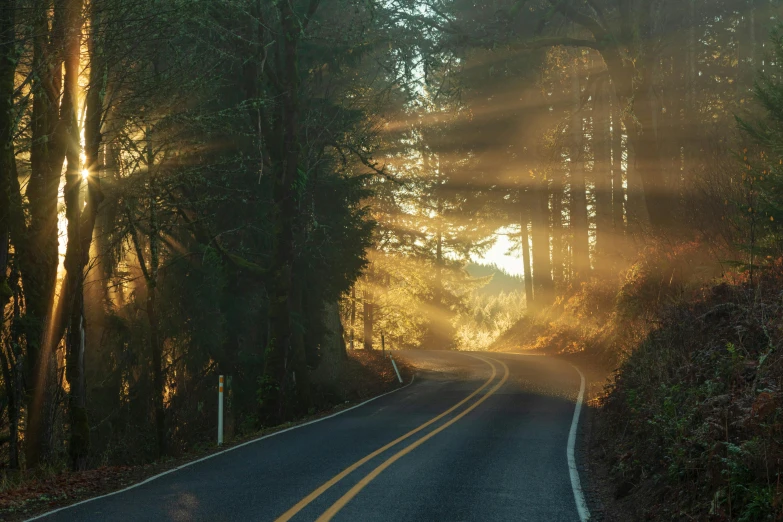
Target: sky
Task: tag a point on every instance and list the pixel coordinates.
(498, 255)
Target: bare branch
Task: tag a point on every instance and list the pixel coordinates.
(599, 11)
(366, 161)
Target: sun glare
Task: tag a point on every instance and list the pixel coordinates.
(85, 173)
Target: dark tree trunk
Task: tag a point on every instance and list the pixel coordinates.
(525, 240)
(156, 343)
(285, 153)
(437, 293)
(10, 359)
(558, 241)
(602, 173)
(335, 339)
(367, 301)
(579, 222)
(39, 255)
(73, 295)
(618, 191)
(150, 273)
(543, 287)
(7, 71)
(334, 352)
(689, 114)
(660, 202)
(10, 371)
(353, 316)
(648, 195)
(300, 377)
(157, 369)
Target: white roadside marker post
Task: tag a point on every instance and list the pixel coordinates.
(395, 368)
(220, 412)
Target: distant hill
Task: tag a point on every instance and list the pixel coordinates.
(501, 281)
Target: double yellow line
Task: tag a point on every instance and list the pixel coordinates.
(342, 501)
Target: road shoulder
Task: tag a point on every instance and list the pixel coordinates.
(45, 493)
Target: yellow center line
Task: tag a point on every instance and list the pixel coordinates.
(347, 471)
(337, 506)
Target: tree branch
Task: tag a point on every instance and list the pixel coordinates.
(556, 41)
(311, 9)
(599, 11)
(137, 245)
(203, 237)
(367, 162)
(589, 23)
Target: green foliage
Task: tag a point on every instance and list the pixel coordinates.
(761, 209)
(5, 291)
(687, 410)
(485, 318)
(267, 391)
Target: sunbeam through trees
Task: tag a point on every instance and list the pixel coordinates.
(194, 188)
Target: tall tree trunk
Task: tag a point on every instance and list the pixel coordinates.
(543, 286)
(618, 190)
(149, 271)
(439, 322)
(73, 296)
(150, 274)
(690, 112)
(7, 71)
(437, 293)
(675, 132)
(524, 220)
(602, 173)
(353, 315)
(336, 339)
(579, 222)
(633, 85)
(333, 353)
(10, 370)
(744, 49)
(10, 359)
(648, 198)
(10, 364)
(636, 208)
(157, 368)
(559, 244)
(367, 302)
(81, 216)
(300, 377)
(156, 343)
(660, 202)
(39, 255)
(278, 356)
(645, 186)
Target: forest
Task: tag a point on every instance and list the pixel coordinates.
(258, 188)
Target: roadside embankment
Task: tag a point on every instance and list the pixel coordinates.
(686, 396)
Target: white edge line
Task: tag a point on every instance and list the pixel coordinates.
(576, 484)
(202, 459)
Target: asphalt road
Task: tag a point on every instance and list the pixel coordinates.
(500, 454)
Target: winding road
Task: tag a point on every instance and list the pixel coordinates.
(479, 437)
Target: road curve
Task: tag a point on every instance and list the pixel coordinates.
(477, 437)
